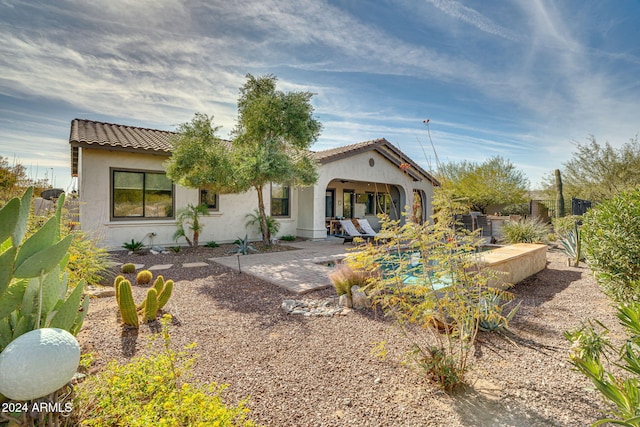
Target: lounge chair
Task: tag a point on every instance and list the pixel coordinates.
(366, 227)
(349, 231)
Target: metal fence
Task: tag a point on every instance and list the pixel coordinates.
(546, 209)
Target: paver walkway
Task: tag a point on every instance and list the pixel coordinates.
(299, 271)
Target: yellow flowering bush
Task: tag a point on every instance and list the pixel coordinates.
(154, 391)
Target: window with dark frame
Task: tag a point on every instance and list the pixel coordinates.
(140, 194)
(279, 200)
(367, 199)
(209, 198)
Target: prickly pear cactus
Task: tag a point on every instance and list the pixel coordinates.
(33, 289)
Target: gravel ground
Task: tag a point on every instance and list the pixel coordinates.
(319, 371)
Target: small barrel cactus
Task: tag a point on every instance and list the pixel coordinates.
(126, 304)
(128, 268)
(144, 277)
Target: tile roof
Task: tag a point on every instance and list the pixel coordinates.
(92, 133)
(325, 156)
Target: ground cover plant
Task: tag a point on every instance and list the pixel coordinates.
(155, 390)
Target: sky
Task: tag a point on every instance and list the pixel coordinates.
(523, 79)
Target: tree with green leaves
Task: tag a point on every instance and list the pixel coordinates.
(494, 181)
(14, 181)
(597, 172)
(270, 144)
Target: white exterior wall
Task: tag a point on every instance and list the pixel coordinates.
(357, 168)
(224, 225)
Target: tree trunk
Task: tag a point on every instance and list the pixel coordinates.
(266, 235)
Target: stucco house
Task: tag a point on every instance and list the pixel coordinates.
(124, 193)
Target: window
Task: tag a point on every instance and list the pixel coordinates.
(367, 200)
(279, 200)
(209, 198)
(141, 195)
(329, 205)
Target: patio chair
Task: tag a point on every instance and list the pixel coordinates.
(366, 227)
(349, 231)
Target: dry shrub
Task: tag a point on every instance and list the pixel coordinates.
(344, 278)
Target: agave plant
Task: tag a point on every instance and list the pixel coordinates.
(243, 246)
(572, 246)
(491, 318)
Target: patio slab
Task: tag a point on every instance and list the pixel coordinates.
(194, 264)
(300, 271)
(160, 267)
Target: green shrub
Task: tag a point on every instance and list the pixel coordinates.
(288, 238)
(154, 391)
(212, 244)
(128, 268)
(344, 278)
(529, 230)
(86, 260)
(611, 235)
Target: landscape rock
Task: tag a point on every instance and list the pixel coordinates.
(345, 301)
(328, 307)
(100, 292)
(359, 299)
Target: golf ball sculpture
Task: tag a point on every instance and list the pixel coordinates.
(38, 363)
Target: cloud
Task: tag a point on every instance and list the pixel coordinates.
(473, 17)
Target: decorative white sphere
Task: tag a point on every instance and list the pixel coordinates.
(38, 363)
